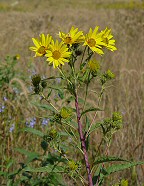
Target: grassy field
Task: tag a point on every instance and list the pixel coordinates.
(21, 20)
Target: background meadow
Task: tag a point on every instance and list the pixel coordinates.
(20, 21)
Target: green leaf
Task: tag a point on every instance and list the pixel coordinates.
(3, 173)
(11, 162)
(91, 110)
(33, 131)
(31, 155)
(43, 106)
(94, 127)
(120, 167)
(61, 94)
(49, 168)
(108, 159)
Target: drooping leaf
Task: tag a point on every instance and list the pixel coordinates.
(120, 167)
(90, 110)
(108, 159)
(44, 106)
(49, 168)
(30, 155)
(33, 131)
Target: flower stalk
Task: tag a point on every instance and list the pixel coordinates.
(83, 141)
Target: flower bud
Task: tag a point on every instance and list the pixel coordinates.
(36, 80)
(94, 66)
(65, 113)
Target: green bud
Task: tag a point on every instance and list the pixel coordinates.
(78, 52)
(37, 89)
(52, 133)
(44, 145)
(110, 75)
(36, 80)
(107, 76)
(65, 113)
(116, 116)
(57, 118)
(43, 84)
(124, 183)
(94, 66)
(72, 166)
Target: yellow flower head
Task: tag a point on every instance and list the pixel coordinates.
(94, 41)
(41, 45)
(107, 39)
(57, 53)
(74, 36)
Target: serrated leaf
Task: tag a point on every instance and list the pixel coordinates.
(120, 167)
(90, 110)
(33, 131)
(108, 159)
(48, 168)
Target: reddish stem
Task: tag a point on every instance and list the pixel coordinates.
(83, 142)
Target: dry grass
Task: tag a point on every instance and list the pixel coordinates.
(127, 95)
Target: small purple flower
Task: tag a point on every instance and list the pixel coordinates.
(31, 123)
(2, 107)
(5, 99)
(58, 80)
(45, 121)
(12, 128)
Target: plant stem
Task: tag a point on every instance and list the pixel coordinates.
(83, 142)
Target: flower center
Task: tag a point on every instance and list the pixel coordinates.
(56, 54)
(41, 50)
(91, 42)
(67, 40)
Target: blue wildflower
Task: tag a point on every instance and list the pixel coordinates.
(58, 80)
(31, 123)
(2, 107)
(5, 99)
(12, 127)
(45, 121)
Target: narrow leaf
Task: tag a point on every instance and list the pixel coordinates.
(33, 131)
(27, 153)
(108, 159)
(120, 167)
(48, 169)
(43, 106)
(90, 110)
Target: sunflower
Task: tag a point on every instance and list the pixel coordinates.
(41, 45)
(107, 39)
(57, 53)
(74, 36)
(94, 41)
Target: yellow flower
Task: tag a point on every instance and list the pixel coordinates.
(57, 54)
(41, 45)
(107, 39)
(74, 36)
(94, 41)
